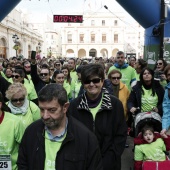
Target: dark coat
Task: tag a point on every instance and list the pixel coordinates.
(38, 83)
(4, 84)
(109, 127)
(135, 96)
(79, 150)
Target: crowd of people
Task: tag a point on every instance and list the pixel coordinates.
(75, 114)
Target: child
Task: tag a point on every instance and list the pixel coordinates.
(150, 147)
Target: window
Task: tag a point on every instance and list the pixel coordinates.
(103, 22)
(81, 38)
(92, 38)
(103, 38)
(92, 22)
(115, 22)
(115, 38)
(51, 36)
(69, 38)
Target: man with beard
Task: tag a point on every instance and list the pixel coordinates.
(58, 141)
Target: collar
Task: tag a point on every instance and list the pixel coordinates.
(59, 136)
(106, 101)
(125, 65)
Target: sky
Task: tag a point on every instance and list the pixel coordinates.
(54, 7)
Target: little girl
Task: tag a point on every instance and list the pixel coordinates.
(150, 146)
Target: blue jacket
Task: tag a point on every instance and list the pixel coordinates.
(166, 108)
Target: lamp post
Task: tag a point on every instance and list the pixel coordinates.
(39, 47)
(15, 39)
(50, 51)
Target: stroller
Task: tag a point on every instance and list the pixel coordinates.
(152, 119)
(141, 119)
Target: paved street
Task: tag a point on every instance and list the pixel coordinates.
(127, 157)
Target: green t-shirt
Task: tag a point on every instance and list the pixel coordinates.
(73, 75)
(32, 115)
(148, 101)
(67, 87)
(152, 151)
(11, 132)
(128, 75)
(95, 110)
(77, 86)
(51, 149)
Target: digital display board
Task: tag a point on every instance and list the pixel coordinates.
(68, 18)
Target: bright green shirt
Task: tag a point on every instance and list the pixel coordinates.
(77, 86)
(32, 115)
(51, 149)
(95, 110)
(11, 132)
(148, 100)
(152, 151)
(67, 87)
(73, 75)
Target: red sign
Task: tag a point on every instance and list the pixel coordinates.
(68, 18)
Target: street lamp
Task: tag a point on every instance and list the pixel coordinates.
(15, 39)
(50, 51)
(39, 47)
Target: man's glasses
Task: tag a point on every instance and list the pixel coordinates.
(43, 74)
(159, 63)
(115, 78)
(95, 80)
(18, 100)
(15, 76)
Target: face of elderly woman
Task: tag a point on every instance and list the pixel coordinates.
(18, 99)
(115, 78)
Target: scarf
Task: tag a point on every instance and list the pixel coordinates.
(19, 110)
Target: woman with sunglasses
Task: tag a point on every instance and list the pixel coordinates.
(102, 113)
(11, 132)
(20, 106)
(118, 89)
(146, 95)
(159, 71)
(18, 77)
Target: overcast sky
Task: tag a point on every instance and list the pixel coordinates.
(65, 6)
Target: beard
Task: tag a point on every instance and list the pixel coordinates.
(53, 124)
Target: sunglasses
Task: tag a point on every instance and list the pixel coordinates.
(43, 74)
(15, 76)
(95, 80)
(159, 63)
(57, 64)
(27, 66)
(114, 78)
(18, 100)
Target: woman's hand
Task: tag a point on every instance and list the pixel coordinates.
(163, 133)
(133, 110)
(155, 109)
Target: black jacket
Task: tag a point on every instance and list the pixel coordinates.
(4, 84)
(109, 127)
(38, 83)
(79, 150)
(135, 96)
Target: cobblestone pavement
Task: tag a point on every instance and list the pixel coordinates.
(127, 157)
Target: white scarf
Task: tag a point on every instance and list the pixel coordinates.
(19, 110)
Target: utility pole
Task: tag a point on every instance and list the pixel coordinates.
(162, 19)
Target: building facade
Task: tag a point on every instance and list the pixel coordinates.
(27, 39)
(101, 35)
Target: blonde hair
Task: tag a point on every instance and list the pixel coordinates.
(14, 89)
